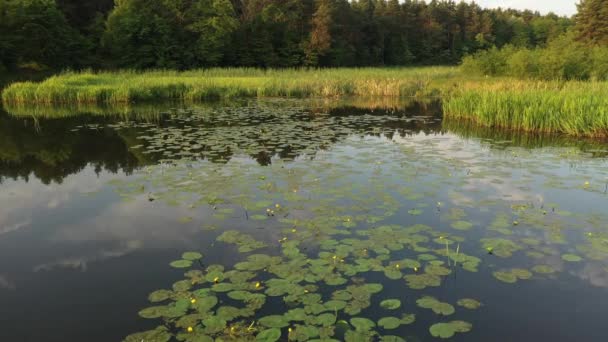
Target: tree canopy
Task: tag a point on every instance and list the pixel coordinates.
(270, 33)
(592, 22)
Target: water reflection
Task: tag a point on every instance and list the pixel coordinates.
(94, 207)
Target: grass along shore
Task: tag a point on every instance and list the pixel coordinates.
(196, 85)
(572, 107)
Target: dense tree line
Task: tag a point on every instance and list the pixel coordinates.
(581, 53)
(261, 33)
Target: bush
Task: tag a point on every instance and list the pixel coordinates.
(562, 59)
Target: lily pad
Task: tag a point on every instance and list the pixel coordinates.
(469, 303)
(438, 307)
(160, 334)
(447, 330)
(181, 263)
(390, 304)
(362, 324)
(389, 322)
(269, 335)
(192, 256)
(571, 258)
(274, 321)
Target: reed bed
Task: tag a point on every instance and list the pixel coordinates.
(132, 86)
(570, 107)
(574, 108)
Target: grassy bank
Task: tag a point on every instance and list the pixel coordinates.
(570, 107)
(575, 108)
(131, 86)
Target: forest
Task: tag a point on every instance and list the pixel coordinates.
(187, 34)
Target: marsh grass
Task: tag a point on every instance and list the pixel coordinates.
(570, 107)
(132, 86)
(575, 108)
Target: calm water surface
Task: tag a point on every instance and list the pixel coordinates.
(95, 207)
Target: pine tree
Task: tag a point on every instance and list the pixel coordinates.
(592, 22)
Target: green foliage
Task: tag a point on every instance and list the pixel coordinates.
(260, 33)
(577, 108)
(129, 86)
(169, 34)
(563, 58)
(591, 24)
(34, 34)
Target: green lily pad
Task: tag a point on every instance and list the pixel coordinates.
(269, 335)
(192, 256)
(506, 277)
(543, 269)
(408, 319)
(469, 303)
(438, 307)
(571, 258)
(447, 330)
(159, 296)
(362, 324)
(274, 321)
(181, 263)
(160, 334)
(390, 304)
(389, 322)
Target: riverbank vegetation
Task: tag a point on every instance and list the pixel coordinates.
(134, 86)
(521, 70)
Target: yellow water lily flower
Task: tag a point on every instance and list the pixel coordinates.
(190, 329)
(193, 301)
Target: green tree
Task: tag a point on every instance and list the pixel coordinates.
(592, 22)
(34, 33)
(169, 33)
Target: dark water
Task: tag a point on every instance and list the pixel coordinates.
(94, 207)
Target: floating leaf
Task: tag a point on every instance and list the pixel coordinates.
(390, 304)
(362, 324)
(160, 334)
(389, 322)
(447, 330)
(571, 258)
(269, 335)
(192, 256)
(274, 321)
(438, 307)
(469, 303)
(181, 263)
(543, 269)
(159, 296)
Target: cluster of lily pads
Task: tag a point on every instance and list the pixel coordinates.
(407, 212)
(323, 296)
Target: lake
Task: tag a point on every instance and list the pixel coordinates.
(284, 219)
